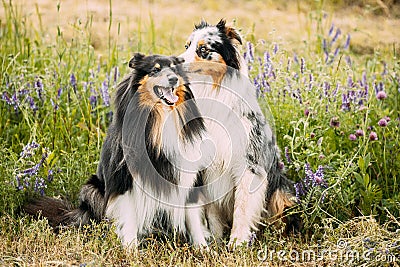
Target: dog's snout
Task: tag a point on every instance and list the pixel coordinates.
(172, 79)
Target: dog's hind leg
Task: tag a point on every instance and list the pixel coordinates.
(248, 206)
(120, 210)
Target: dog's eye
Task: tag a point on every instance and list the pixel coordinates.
(203, 52)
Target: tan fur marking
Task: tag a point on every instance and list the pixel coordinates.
(215, 70)
(200, 43)
(180, 92)
(144, 80)
(278, 203)
(147, 99)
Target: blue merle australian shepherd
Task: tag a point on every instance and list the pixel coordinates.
(244, 185)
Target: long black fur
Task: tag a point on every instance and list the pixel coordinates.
(114, 177)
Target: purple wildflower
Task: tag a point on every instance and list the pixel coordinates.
(326, 87)
(310, 182)
(93, 100)
(40, 185)
(381, 95)
(352, 137)
(53, 104)
(364, 79)
(373, 136)
(15, 101)
(23, 92)
(19, 185)
(31, 171)
(376, 88)
(338, 32)
(116, 74)
(50, 175)
(252, 239)
(347, 44)
(334, 93)
(32, 104)
(334, 122)
(306, 112)
(6, 97)
(295, 59)
(348, 61)
(331, 29)
(350, 82)
(250, 52)
(311, 79)
(326, 56)
(299, 189)
(105, 94)
(381, 86)
(312, 134)
(336, 52)
(382, 123)
(273, 74)
(39, 88)
(345, 102)
(29, 150)
(359, 132)
(72, 80)
(59, 92)
(319, 176)
(302, 65)
(267, 57)
(287, 155)
(257, 84)
(288, 65)
(276, 48)
(324, 45)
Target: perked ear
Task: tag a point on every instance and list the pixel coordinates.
(233, 35)
(230, 32)
(137, 57)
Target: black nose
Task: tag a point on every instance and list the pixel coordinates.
(172, 80)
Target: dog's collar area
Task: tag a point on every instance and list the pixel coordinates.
(166, 94)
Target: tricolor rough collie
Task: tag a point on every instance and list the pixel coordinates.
(245, 184)
(150, 159)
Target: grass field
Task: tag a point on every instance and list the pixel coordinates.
(329, 75)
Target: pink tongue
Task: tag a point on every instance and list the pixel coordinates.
(167, 92)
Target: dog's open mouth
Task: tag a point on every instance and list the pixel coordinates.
(166, 94)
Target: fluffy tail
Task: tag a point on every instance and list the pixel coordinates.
(61, 213)
(280, 197)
